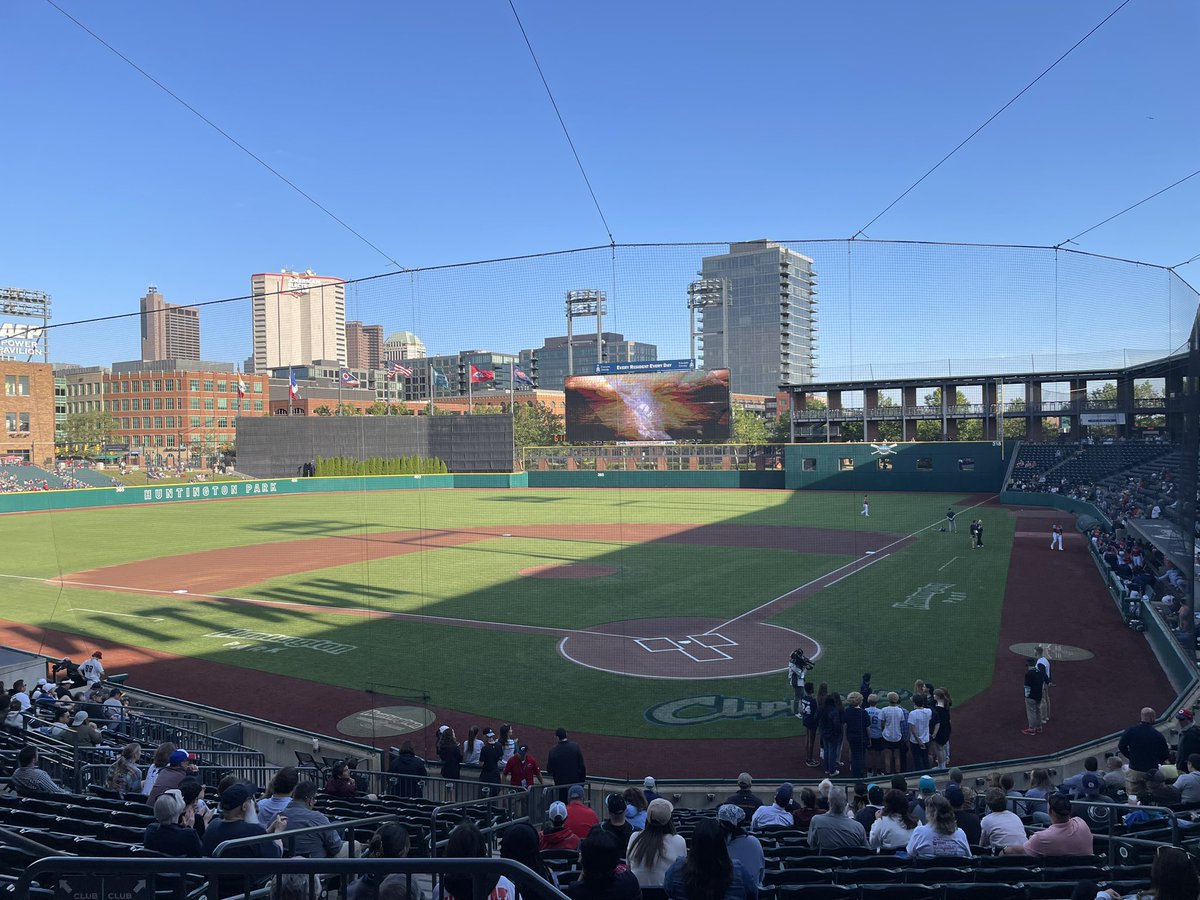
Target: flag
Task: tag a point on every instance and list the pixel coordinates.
(519, 377)
(241, 387)
(293, 391)
(348, 379)
(440, 380)
(396, 369)
(479, 375)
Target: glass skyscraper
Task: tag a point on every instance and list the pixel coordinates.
(772, 317)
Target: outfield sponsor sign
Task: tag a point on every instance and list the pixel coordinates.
(1107, 418)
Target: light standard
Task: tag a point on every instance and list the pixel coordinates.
(703, 295)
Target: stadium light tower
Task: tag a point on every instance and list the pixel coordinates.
(585, 303)
(704, 295)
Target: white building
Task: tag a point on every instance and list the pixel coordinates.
(298, 317)
(403, 345)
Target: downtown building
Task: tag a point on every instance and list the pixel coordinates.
(169, 331)
(550, 360)
(298, 317)
(772, 317)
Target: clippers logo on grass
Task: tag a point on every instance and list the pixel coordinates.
(252, 640)
(711, 707)
(923, 596)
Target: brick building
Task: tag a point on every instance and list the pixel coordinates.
(364, 346)
(165, 405)
(28, 412)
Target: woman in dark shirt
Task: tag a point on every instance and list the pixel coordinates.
(940, 728)
(167, 833)
(489, 762)
(451, 756)
(829, 726)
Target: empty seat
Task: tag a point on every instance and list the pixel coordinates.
(938, 874)
(869, 875)
(1050, 890)
(984, 891)
(900, 891)
(799, 876)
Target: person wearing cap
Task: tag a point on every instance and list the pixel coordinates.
(743, 847)
(926, 788)
(966, 818)
(180, 764)
(581, 818)
(489, 762)
(92, 670)
(651, 851)
(743, 796)
(66, 671)
(1066, 835)
(236, 803)
(1035, 683)
(27, 778)
(1189, 734)
(85, 732)
(565, 764)
(522, 770)
(615, 824)
(1189, 782)
(555, 835)
(170, 832)
(834, 830)
(1145, 748)
(650, 789)
(1099, 818)
(779, 812)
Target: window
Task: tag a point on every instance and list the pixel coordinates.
(10, 419)
(210, 422)
(195, 421)
(808, 464)
(137, 403)
(16, 385)
(258, 406)
(170, 440)
(966, 464)
(222, 386)
(170, 421)
(125, 424)
(158, 386)
(158, 422)
(137, 421)
(222, 403)
(170, 403)
(924, 463)
(158, 402)
(195, 403)
(222, 422)
(208, 385)
(23, 422)
(845, 464)
(124, 406)
(146, 386)
(193, 385)
(208, 403)
(170, 384)
(125, 387)
(158, 440)
(258, 387)
(886, 464)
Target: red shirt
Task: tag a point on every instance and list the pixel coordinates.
(522, 774)
(580, 819)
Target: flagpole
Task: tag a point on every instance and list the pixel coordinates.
(291, 393)
(339, 393)
(431, 387)
(470, 392)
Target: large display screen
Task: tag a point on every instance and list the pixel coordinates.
(662, 406)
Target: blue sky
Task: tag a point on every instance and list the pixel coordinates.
(425, 127)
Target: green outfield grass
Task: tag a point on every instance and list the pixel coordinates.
(492, 675)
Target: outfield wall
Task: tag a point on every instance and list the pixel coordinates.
(277, 446)
(1054, 501)
(966, 467)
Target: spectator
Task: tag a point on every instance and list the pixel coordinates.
(940, 836)
(1066, 835)
(635, 808)
(451, 756)
(742, 846)
(172, 830)
(1172, 877)
(803, 814)
(409, 770)
(466, 842)
(280, 792)
(651, 851)
(298, 814)
(161, 759)
(966, 819)
(389, 841)
(14, 721)
(193, 797)
(341, 781)
(918, 732)
(65, 670)
(834, 830)
(1001, 827)
(778, 813)
(565, 763)
(239, 820)
(1114, 774)
(472, 747)
(868, 815)
(894, 823)
(599, 878)
(116, 709)
(744, 797)
(1145, 749)
(708, 872)
(86, 734)
(92, 669)
(1189, 735)
(522, 770)
(893, 721)
(179, 766)
(489, 763)
(1071, 785)
(508, 744)
(124, 775)
(520, 844)
(615, 824)
(1040, 788)
(857, 733)
(60, 727)
(1189, 783)
(27, 778)
(555, 835)
(581, 819)
(831, 729)
(649, 789)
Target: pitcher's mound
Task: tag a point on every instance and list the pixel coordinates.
(569, 570)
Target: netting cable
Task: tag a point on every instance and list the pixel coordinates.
(1157, 193)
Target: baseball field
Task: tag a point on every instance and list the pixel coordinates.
(608, 611)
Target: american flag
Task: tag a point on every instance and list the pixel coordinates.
(397, 369)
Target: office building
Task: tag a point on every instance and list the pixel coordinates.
(552, 356)
(456, 368)
(319, 386)
(298, 317)
(364, 346)
(28, 407)
(772, 317)
(168, 331)
(403, 345)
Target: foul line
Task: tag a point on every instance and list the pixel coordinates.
(853, 562)
(943, 565)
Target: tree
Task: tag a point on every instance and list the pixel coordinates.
(931, 429)
(348, 409)
(378, 408)
(322, 411)
(749, 427)
(889, 429)
(536, 425)
(95, 427)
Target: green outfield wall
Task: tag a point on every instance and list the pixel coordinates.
(966, 467)
(1054, 501)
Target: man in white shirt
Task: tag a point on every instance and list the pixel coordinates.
(918, 734)
(1001, 827)
(93, 670)
(777, 813)
(1043, 663)
(20, 695)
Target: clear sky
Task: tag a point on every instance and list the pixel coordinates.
(425, 127)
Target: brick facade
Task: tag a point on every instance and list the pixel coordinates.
(28, 407)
